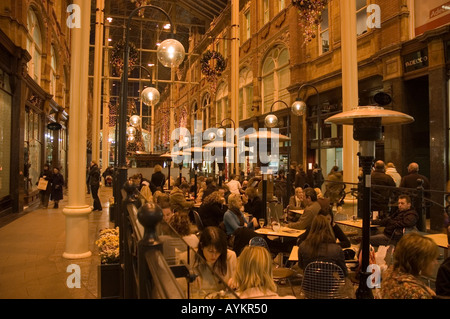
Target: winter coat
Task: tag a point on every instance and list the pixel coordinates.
(94, 175)
(334, 187)
(399, 285)
(57, 187)
(392, 172)
(48, 177)
(380, 195)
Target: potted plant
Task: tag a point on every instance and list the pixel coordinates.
(109, 268)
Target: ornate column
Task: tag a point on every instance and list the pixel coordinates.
(77, 211)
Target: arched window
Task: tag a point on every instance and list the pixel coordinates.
(53, 72)
(276, 78)
(221, 102)
(245, 93)
(34, 45)
(206, 104)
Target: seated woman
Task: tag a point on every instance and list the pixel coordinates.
(414, 255)
(213, 249)
(212, 209)
(321, 245)
(234, 218)
(344, 242)
(177, 235)
(253, 276)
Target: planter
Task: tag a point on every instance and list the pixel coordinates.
(109, 281)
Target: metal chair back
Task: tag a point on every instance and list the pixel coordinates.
(323, 280)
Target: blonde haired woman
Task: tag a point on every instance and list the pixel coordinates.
(414, 255)
(158, 179)
(253, 275)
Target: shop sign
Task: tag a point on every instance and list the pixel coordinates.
(416, 60)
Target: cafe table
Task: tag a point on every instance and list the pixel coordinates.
(441, 240)
(297, 211)
(354, 223)
(283, 232)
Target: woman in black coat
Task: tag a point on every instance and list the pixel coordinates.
(45, 194)
(57, 187)
(212, 209)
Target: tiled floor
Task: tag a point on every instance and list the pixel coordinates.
(31, 249)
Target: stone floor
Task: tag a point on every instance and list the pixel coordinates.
(31, 249)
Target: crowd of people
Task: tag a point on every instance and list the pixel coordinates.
(217, 222)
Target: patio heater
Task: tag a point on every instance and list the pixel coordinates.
(367, 124)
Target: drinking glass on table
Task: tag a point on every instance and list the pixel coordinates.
(276, 226)
(261, 221)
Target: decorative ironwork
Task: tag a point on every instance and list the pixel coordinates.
(310, 12)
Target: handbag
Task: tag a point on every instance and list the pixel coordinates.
(42, 185)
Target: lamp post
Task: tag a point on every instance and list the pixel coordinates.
(271, 121)
(299, 108)
(222, 132)
(367, 124)
(171, 54)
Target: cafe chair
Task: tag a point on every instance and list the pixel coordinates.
(281, 274)
(323, 280)
(198, 221)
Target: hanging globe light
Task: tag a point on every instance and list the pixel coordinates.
(170, 53)
(298, 107)
(135, 121)
(150, 96)
(221, 132)
(131, 131)
(271, 121)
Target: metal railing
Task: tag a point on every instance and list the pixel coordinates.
(421, 199)
(148, 273)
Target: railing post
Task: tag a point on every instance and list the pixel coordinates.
(125, 254)
(149, 215)
(421, 207)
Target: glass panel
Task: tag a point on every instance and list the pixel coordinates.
(35, 162)
(283, 58)
(268, 66)
(268, 89)
(325, 38)
(241, 105)
(249, 102)
(5, 141)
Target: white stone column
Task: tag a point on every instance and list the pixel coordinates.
(349, 87)
(97, 94)
(77, 211)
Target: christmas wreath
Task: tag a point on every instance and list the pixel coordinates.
(310, 12)
(207, 69)
(117, 56)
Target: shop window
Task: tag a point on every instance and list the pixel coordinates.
(34, 46)
(266, 11)
(361, 17)
(324, 38)
(33, 144)
(275, 78)
(5, 134)
(248, 21)
(245, 93)
(53, 73)
(221, 102)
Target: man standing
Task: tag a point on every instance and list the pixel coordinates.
(380, 195)
(404, 219)
(410, 180)
(94, 183)
(311, 210)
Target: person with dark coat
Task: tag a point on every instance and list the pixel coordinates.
(44, 195)
(212, 209)
(318, 178)
(380, 195)
(395, 225)
(443, 279)
(334, 186)
(410, 180)
(253, 204)
(158, 179)
(57, 187)
(300, 177)
(108, 176)
(94, 183)
(211, 186)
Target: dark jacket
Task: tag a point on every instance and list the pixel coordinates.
(300, 179)
(157, 180)
(255, 207)
(48, 177)
(57, 187)
(443, 279)
(380, 195)
(394, 224)
(334, 187)
(94, 175)
(317, 177)
(410, 181)
(211, 214)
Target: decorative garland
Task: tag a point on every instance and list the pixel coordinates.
(209, 71)
(140, 3)
(117, 56)
(310, 16)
